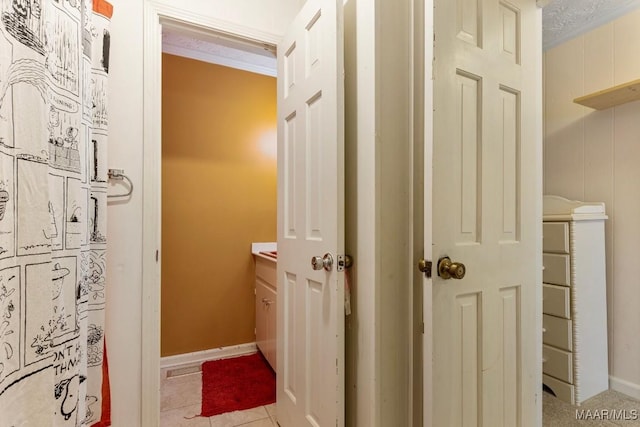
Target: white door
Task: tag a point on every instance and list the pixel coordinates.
(486, 202)
(310, 324)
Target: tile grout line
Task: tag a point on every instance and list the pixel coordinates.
(250, 422)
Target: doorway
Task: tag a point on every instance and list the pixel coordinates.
(159, 16)
(218, 198)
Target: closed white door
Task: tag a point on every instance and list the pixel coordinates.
(310, 324)
(486, 212)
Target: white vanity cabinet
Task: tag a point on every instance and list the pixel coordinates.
(574, 320)
(266, 307)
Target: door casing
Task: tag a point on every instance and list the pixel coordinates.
(157, 14)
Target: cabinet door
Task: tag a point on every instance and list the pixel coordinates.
(266, 321)
(261, 320)
(271, 311)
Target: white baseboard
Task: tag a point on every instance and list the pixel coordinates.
(626, 387)
(187, 360)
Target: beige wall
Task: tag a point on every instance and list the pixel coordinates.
(595, 156)
(218, 196)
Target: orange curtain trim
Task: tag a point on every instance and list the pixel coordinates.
(103, 7)
(105, 420)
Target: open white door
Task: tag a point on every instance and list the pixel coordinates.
(310, 330)
(486, 213)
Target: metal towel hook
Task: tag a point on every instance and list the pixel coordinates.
(118, 175)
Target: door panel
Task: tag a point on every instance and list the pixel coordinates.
(485, 172)
(310, 351)
(467, 327)
(510, 378)
(510, 151)
(469, 184)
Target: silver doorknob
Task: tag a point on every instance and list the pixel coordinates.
(326, 262)
(451, 270)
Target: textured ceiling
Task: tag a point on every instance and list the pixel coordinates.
(561, 21)
(565, 19)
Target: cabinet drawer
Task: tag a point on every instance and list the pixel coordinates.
(555, 237)
(556, 269)
(562, 390)
(557, 363)
(555, 300)
(266, 270)
(557, 332)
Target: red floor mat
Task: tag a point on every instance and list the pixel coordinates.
(236, 384)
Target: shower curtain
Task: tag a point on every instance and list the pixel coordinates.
(54, 63)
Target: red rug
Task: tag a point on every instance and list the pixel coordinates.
(236, 384)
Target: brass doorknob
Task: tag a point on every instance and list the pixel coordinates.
(451, 270)
(425, 267)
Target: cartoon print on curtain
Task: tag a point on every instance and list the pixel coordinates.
(54, 63)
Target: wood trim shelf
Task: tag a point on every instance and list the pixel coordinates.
(617, 95)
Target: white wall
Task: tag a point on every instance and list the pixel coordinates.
(360, 379)
(395, 265)
(595, 156)
(378, 98)
(124, 332)
(124, 223)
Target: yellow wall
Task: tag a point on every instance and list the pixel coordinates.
(218, 196)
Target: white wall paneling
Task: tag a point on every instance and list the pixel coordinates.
(594, 156)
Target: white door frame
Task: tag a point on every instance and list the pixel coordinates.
(156, 13)
(427, 339)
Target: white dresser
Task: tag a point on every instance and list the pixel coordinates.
(574, 325)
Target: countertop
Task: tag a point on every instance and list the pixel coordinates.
(265, 250)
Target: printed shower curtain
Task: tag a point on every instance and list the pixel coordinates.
(54, 61)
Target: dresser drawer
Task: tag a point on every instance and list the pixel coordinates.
(556, 300)
(556, 269)
(562, 390)
(557, 332)
(555, 237)
(557, 363)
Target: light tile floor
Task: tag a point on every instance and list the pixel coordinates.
(181, 397)
(180, 405)
(556, 413)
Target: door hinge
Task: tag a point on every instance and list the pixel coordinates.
(344, 262)
(157, 255)
(425, 266)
